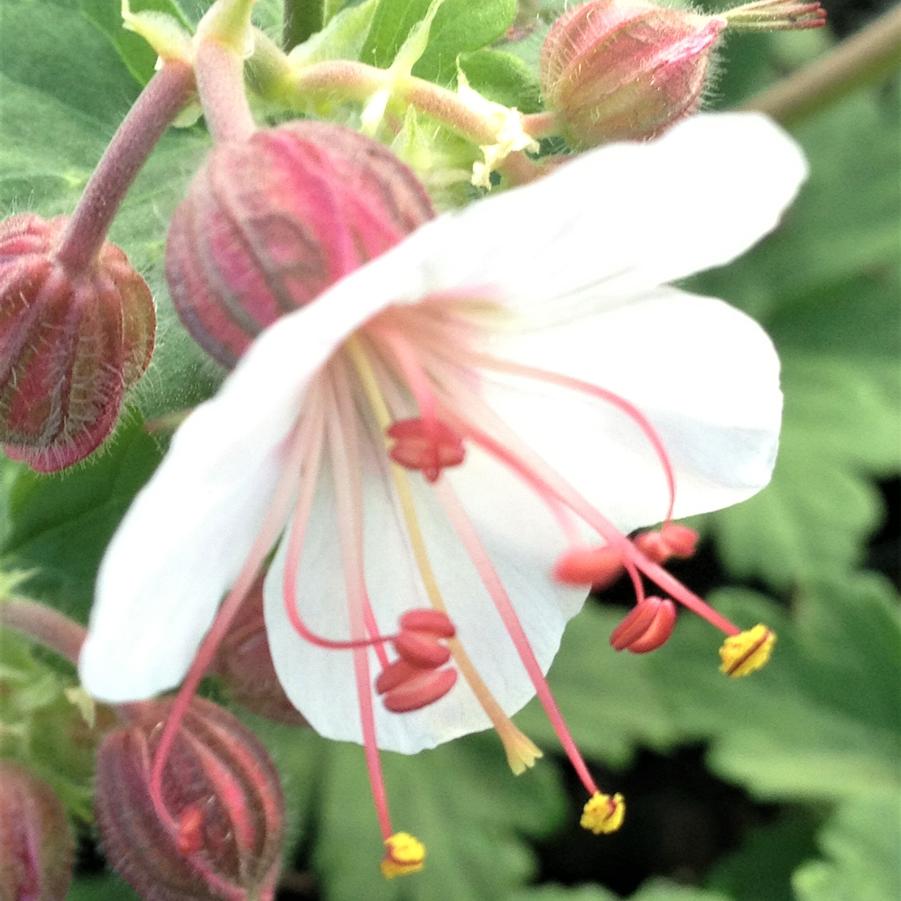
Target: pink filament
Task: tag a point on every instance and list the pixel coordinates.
(482, 562)
(344, 450)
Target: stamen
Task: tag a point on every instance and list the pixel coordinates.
(495, 588)
(429, 447)
(343, 452)
(610, 397)
(405, 855)
(521, 752)
(599, 567)
(747, 652)
(603, 814)
(671, 540)
(647, 626)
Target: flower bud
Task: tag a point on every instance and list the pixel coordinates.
(71, 343)
(244, 662)
(36, 843)
(271, 222)
(219, 836)
(625, 69)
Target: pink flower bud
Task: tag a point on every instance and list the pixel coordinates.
(625, 69)
(220, 835)
(244, 662)
(36, 843)
(71, 343)
(271, 222)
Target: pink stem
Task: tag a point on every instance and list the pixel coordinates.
(46, 626)
(165, 95)
(220, 81)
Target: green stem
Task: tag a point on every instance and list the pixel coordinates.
(303, 18)
(867, 57)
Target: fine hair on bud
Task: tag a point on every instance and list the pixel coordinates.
(36, 841)
(270, 222)
(219, 834)
(72, 341)
(614, 70)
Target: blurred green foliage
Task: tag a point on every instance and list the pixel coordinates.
(817, 732)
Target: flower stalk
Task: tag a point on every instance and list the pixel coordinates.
(43, 625)
(870, 55)
(164, 97)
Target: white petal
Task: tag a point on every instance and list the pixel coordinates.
(704, 374)
(522, 540)
(624, 218)
(190, 529)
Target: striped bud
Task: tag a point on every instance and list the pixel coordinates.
(271, 222)
(219, 833)
(71, 343)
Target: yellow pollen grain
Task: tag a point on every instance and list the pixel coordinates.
(521, 752)
(747, 652)
(406, 854)
(603, 814)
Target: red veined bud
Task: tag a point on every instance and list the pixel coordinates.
(219, 836)
(625, 69)
(647, 626)
(244, 662)
(72, 341)
(269, 223)
(36, 843)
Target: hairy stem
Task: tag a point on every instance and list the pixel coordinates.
(220, 81)
(164, 97)
(866, 57)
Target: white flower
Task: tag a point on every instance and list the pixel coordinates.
(462, 326)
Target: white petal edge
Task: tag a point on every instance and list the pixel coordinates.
(189, 530)
(624, 218)
(522, 540)
(704, 374)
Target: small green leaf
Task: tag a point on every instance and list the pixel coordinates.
(504, 78)
(861, 845)
(60, 525)
(100, 888)
(459, 27)
(135, 52)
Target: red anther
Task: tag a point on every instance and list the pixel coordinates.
(420, 691)
(427, 446)
(421, 649)
(682, 540)
(394, 674)
(599, 567)
(672, 540)
(435, 621)
(647, 626)
(190, 830)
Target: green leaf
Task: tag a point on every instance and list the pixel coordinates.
(761, 868)
(135, 52)
(825, 287)
(460, 800)
(60, 525)
(100, 888)
(796, 729)
(504, 78)
(861, 845)
(652, 890)
(342, 38)
(459, 27)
